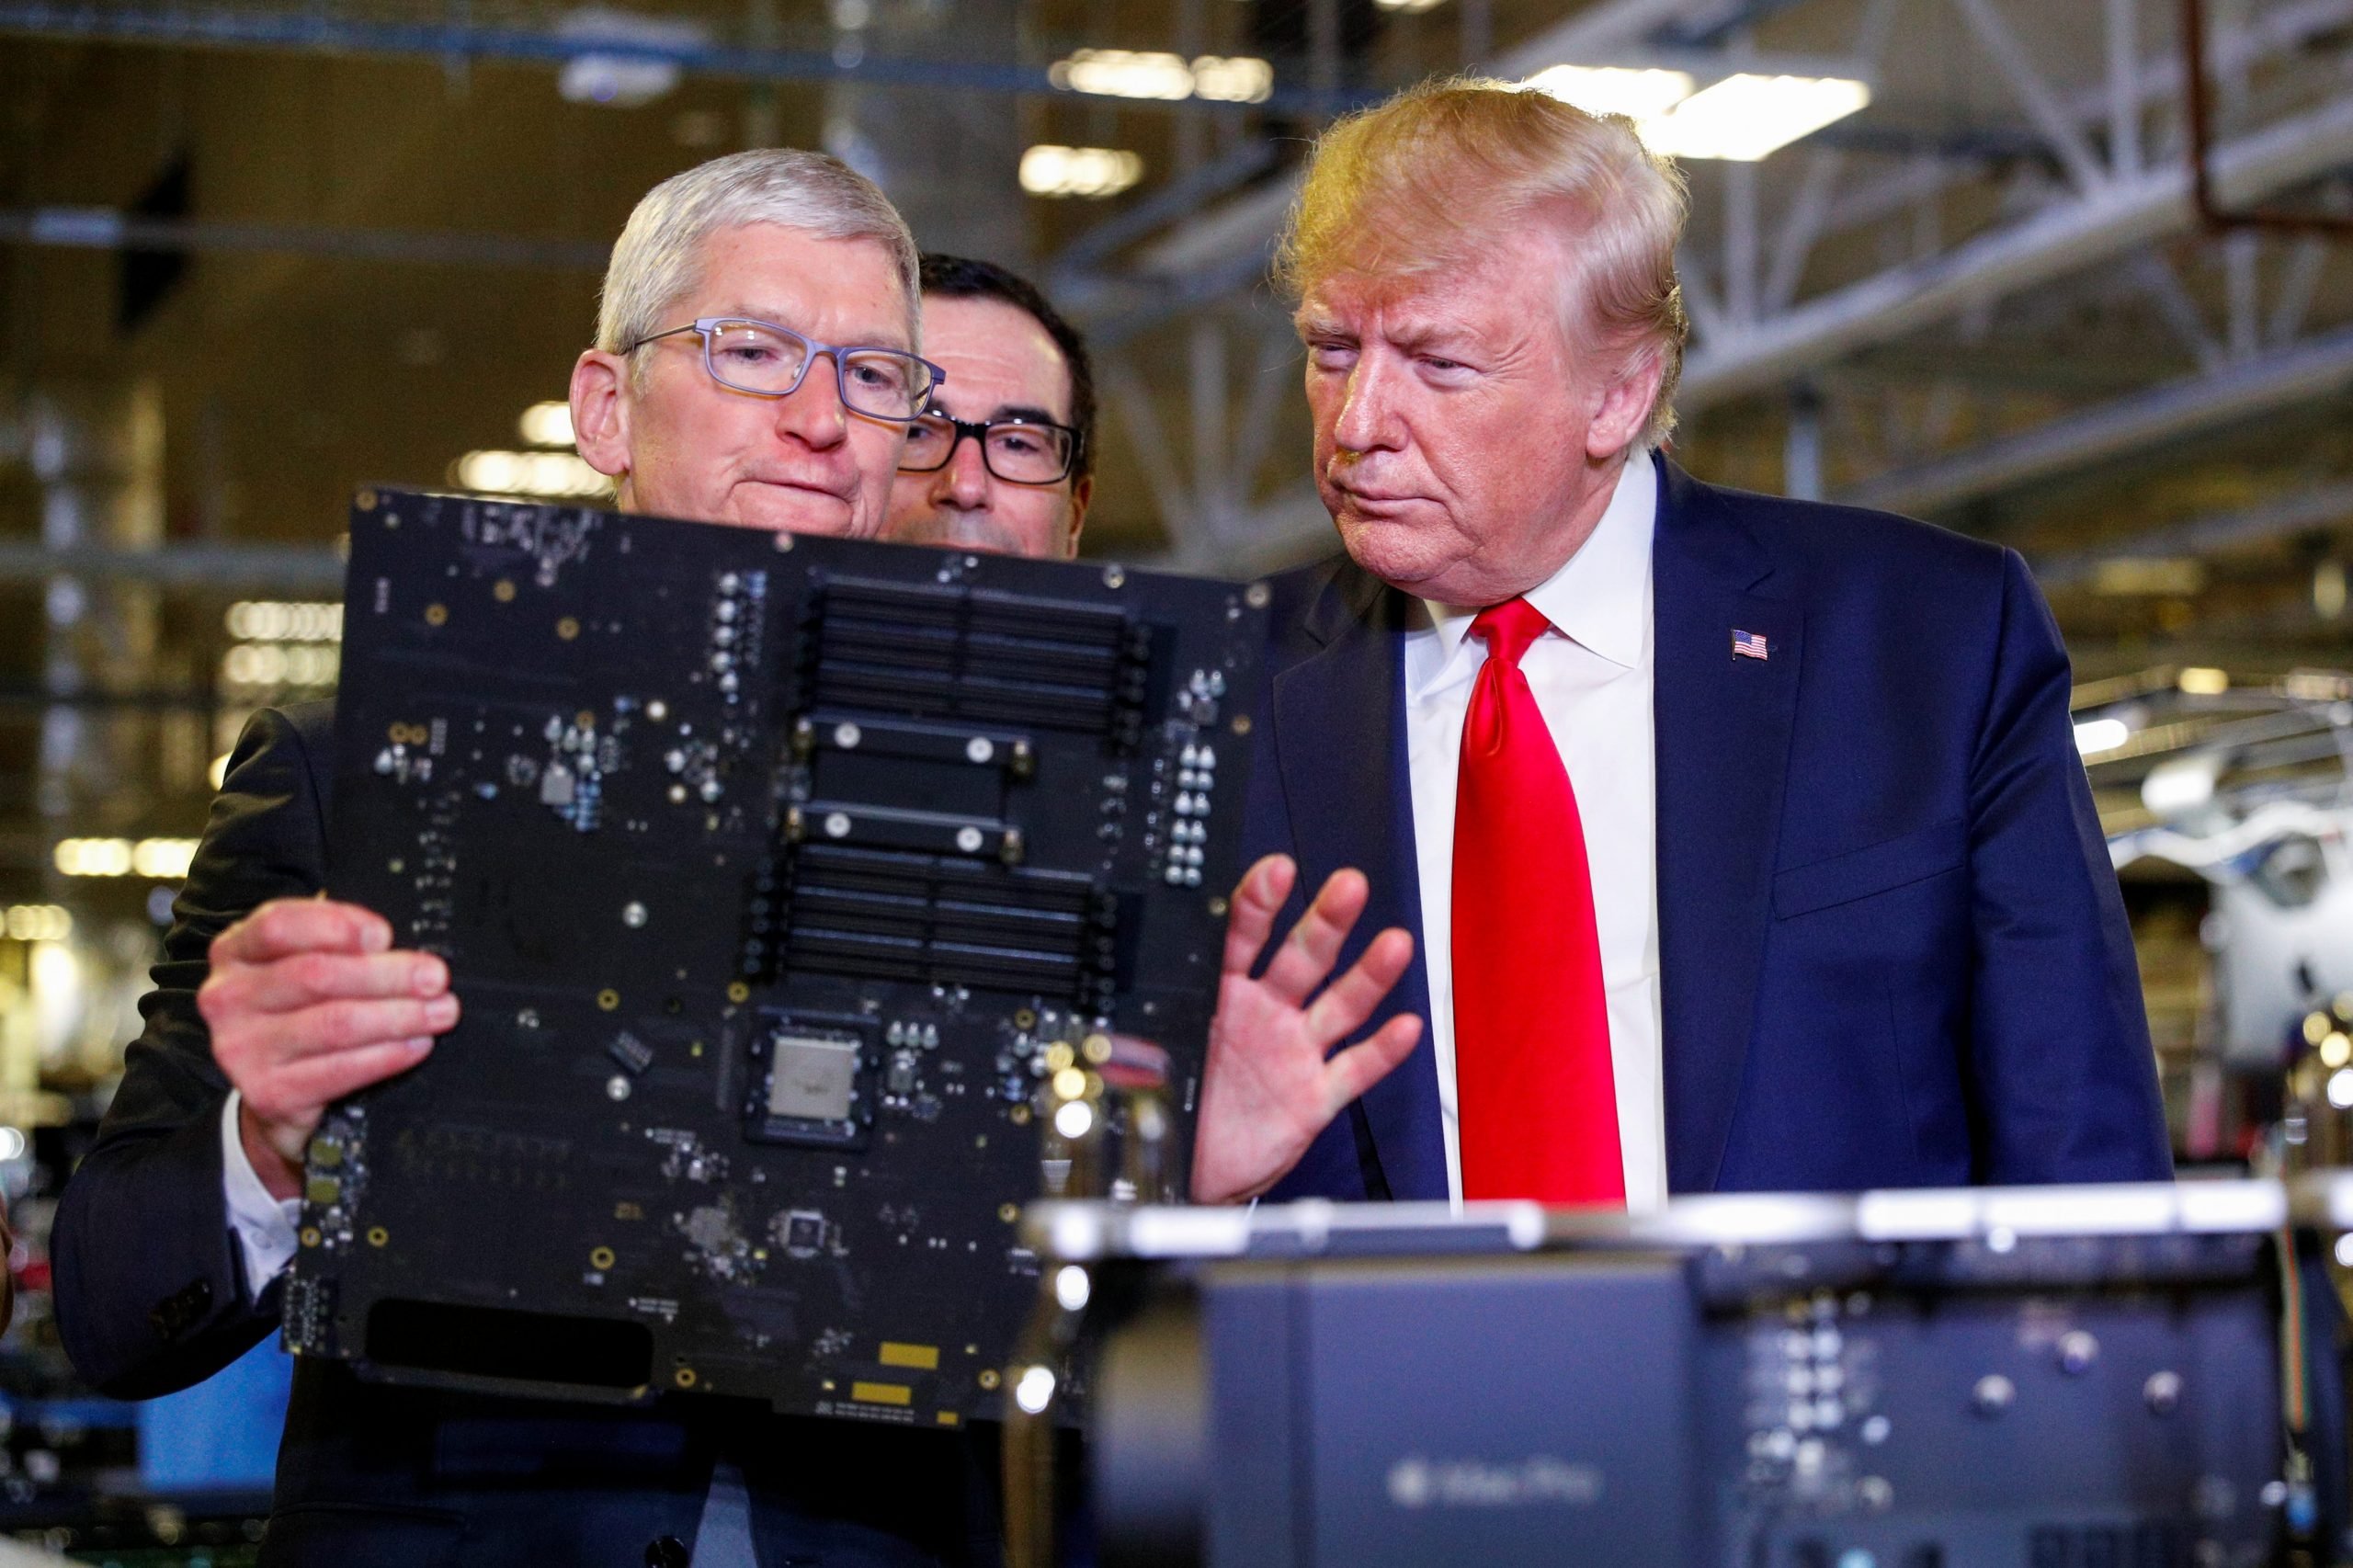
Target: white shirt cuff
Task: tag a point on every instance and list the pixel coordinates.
(264, 1225)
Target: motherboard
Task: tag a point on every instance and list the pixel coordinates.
(795, 891)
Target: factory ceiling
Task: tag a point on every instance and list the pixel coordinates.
(273, 252)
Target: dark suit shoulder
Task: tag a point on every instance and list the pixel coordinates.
(1825, 546)
(173, 1309)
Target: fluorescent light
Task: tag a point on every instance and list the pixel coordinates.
(546, 424)
(2183, 786)
(1133, 73)
(1636, 92)
(272, 664)
(528, 473)
(2096, 735)
(624, 81)
(1123, 73)
(2203, 681)
(162, 859)
(268, 621)
(1235, 78)
(1745, 117)
(1097, 172)
(1408, 7)
(2125, 576)
(36, 922)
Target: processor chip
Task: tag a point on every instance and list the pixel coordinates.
(812, 1077)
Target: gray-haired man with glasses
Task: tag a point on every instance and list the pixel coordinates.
(728, 283)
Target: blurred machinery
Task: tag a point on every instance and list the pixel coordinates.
(2058, 1378)
(2244, 781)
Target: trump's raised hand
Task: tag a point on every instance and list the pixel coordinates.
(1271, 1083)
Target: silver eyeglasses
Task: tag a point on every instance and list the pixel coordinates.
(768, 361)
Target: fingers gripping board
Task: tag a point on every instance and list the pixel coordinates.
(772, 874)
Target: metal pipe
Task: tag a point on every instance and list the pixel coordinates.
(2198, 102)
(315, 31)
(102, 228)
(2164, 413)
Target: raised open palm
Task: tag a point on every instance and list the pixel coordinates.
(1272, 1083)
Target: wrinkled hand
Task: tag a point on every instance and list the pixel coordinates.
(1267, 1089)
(308, 1002)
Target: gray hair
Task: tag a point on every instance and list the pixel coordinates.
(658, 257)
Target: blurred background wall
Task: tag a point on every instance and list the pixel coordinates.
(2043, 273)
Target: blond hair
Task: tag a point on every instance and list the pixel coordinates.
(1427, 180)
(658, 259)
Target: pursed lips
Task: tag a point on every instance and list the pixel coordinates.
(839, 491)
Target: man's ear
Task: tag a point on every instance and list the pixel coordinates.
(600, 411)
(1625, 405)
(1082, 494)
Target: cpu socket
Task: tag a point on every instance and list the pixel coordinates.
(812, 1081)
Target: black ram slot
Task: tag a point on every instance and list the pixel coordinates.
(1020, 925)
(910, 604)
(1000, 969)
(845, 952)
(1014, 616)
(926, 652)
(866, 913)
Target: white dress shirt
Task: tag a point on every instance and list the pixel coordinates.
(1592, 678)
(264, 1225)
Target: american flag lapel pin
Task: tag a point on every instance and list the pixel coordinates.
(1750, 645)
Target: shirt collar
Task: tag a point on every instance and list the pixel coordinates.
(1599, 599)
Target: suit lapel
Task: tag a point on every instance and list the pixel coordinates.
(1339, 723)
(1722, 727)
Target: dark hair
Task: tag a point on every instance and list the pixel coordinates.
(961, 278)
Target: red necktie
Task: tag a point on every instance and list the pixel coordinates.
(1538, 1101)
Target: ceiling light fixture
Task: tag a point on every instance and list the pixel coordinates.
(1132, 73)
(1743, 118)
(1233, 78)
(166, 859)
(648, 71)
(1123, 73)
(546, 424)
(1640, 93)
(36, 922)
(528, 473)
(269, 621)
(1095, 172)
(2094, 736)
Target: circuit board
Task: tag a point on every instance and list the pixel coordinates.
(777, 876)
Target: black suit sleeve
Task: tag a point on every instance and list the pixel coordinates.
(151, 1289)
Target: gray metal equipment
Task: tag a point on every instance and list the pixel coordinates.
(2118, 1377)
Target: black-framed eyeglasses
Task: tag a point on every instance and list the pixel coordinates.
(768, 360)
(1020, 451)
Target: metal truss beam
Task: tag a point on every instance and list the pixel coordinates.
(2067, 237)
(322, 30)
(2328, 506)
(289, 570)
(2317, 369)
(100, 228)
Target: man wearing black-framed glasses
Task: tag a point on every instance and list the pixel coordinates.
(1003, 460)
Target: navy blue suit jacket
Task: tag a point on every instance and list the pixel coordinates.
(1891, 948)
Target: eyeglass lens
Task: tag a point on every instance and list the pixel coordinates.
(1018, 454)
(756, 358)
